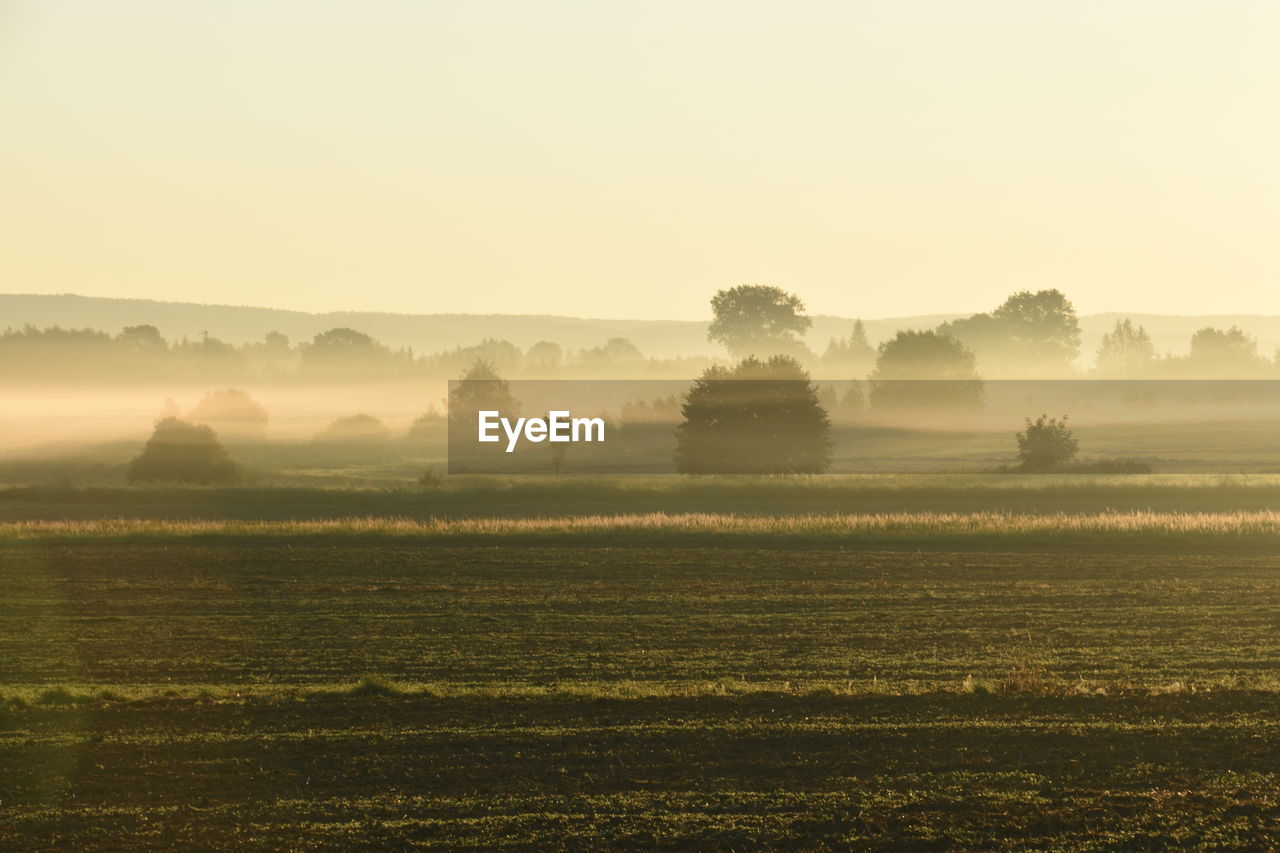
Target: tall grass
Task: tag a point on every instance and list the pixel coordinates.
(1256, 526)
(466, 497)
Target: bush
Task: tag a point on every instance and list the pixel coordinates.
(180, 452)
(233, 413)
(357, 429)
(1046, 444)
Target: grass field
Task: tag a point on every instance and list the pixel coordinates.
(1053, 666)
(481, 497)
(1238, 531)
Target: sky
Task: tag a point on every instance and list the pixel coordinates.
(629, 159)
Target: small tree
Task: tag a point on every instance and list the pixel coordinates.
(481, 388)
(1046, 443)
(922, 370)
(180, 452)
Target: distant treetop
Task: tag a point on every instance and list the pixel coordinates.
(758, 319)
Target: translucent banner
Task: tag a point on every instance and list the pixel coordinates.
(796, 426)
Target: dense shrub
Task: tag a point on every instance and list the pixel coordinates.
(754, 418)
(1046, 444)
(181, 452)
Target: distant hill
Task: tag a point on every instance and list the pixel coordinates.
(427, 333)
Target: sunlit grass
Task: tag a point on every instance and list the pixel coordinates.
(1253, 525)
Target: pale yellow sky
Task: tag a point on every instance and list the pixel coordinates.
(609, 159)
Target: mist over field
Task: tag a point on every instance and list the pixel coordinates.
(82, 400)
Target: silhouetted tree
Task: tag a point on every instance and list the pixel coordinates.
(345, 353)
(480, 389)
(145, 339)
(209, 358)
(276, 342)
(1043, 325)
(1030, 334)
(1125, 351)
(924, 370)
(1225, 353)
(989, 341)
(758, 319)
(344, 341)
(30, 353)
(544, 357)
(273, 357)
(754, 418)
(1046, 444)
(181, 452)
(617, 352)
(502, 356)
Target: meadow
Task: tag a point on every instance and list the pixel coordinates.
(840, 663)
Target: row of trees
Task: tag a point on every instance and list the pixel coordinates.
(1127, 352)
(1029, 335)
(142, 354)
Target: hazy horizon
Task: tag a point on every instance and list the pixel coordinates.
(930, 315)
(881, 159)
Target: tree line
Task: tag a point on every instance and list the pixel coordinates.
(142, 354)
(1029, 335)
